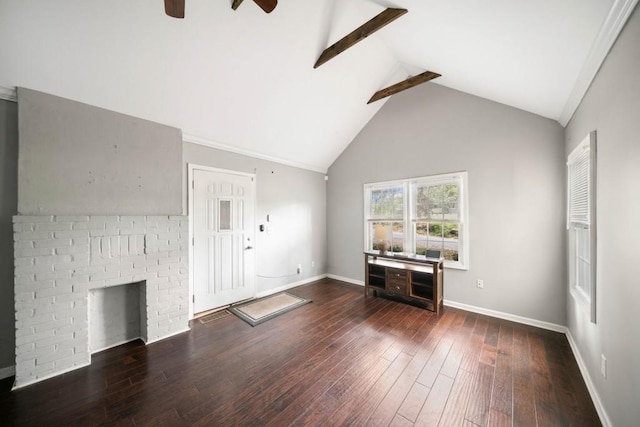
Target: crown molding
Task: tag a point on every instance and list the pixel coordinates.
(9, 93)
(618, 16)
(194, 139)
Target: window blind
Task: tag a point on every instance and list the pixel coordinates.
(579, 186)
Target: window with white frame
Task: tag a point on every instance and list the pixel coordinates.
(581, 219)
(412, 216)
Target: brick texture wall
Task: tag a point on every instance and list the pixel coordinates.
(58, 259)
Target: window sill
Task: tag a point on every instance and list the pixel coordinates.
(455, 267)
(580, 297)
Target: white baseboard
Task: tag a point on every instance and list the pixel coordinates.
(46, 377)
(597, 402)
(507, 316)
(7, 372)
(182, 331)
(345, 279)
(92, 352)
(289, 286)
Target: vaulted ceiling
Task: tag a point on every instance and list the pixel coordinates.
(244, 80)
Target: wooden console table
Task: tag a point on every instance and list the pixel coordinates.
(414, 279)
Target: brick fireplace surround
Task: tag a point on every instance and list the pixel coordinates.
(59, 259)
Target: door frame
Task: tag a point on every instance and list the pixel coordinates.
(190, 179)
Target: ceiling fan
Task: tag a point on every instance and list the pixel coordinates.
(175, 8)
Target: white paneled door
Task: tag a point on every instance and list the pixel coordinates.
(223, 227)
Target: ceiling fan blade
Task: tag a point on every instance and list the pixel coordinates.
(266, 5)
(174, 8)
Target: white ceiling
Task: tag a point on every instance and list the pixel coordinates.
(244, 80)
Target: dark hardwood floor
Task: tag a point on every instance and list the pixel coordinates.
(342, 360)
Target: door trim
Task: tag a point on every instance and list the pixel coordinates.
(190, 172)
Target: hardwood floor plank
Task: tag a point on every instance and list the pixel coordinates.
(430, 372)
(433, 408)
(524, 411)
(502, 392)
(413, 402)
(545, 396)
(454, 411)
(499, 419)
(399, 421)
(480, 399)
(474, 346)
(344, 359)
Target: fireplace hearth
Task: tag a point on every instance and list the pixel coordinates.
(60, 259)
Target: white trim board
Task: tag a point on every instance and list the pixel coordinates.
(597, 402)
(289, 286)
(9, 93)
(617, 18)
(46, 377)
(507, 316)
(182, 331)
(346, 279)
(7, 372)
(194, 139)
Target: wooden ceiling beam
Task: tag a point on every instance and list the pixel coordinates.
(174, 8)
(403, 85)
(266, 5)
(385, 17)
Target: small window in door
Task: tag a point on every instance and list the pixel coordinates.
(224, 218)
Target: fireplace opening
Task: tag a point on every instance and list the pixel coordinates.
(117, 315)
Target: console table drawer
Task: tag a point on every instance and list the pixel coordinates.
(396, 281)
(396, 288)
(395, 274)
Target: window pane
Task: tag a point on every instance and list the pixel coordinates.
(438, 202)
(421, 238)
(452, 251)
(442, 236)
(582, 261)
(397, 241)
(379, 232)
(387, 203)
(225, 215)
(392, 233)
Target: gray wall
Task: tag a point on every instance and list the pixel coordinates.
(612, 108)
(79, 159)
(295, 200)
(8, 208)
(515, 162)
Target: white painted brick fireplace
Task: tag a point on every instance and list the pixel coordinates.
(59, 259)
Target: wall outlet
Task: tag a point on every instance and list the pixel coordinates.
(313, 264)
(299, 268)
(603, 366)
(480, 283)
